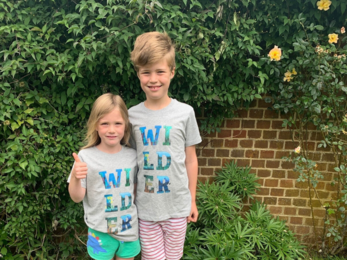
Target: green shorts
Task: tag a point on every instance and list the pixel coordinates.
(101, 246)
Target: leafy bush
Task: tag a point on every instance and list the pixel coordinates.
(224, 232)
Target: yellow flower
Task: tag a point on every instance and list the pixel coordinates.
(275, 53)
(297, 149)
(333, 37)
(21, 84)
(343, 30)
(294, 71)
(287, 76)
(324, 5)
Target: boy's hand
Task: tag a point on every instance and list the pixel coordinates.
(80, 169)
(193, 216)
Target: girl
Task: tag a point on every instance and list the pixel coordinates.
(103, 176)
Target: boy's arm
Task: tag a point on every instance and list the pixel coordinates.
(79, 172)
(192, 171)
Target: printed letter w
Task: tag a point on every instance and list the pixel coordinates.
(154, 141)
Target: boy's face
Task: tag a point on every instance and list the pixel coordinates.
(155, 80)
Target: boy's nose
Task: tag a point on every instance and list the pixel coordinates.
(153, 78)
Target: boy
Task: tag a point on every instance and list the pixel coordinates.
(165, 132)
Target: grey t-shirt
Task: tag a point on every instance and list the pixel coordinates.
(161, 137)
(109, 201)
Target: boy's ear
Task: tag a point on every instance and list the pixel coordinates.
(173, 72)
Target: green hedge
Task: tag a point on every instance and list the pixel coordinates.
(57, 56)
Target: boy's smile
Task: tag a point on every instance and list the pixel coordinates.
(155, 81)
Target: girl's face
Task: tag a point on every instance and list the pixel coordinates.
(111, 129)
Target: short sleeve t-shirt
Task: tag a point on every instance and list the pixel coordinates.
(109, 201)
(161, 137)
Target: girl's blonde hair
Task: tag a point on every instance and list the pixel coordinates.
(102, 106)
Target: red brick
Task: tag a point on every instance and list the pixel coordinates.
(310, 146)
(321, 166)
(243, 162)
(261, 144)
(296, 220)
(237, 153)
(208, 152)
(204, 143)
(306, 194)
(302, 230)
(263, 124)
(277, 125)
(311, 126)
(239, 133)
(262, 103)
(217, 143)
(263, 191)
(214, 162)
(293, 175)
(291, 145)
(202, 161)
(281, 154)
(287, 165)
(270, 201)
(283, 218)
(276, 144)
(258, 163)
(269, 134)
(253, 103)
(315, 203)
(254, 133)
(301, 185)
(277, 192)
(323, 195)
(275, 210)
(314, 156)
(308, 221)
(248, 123)
(260, 199)
(285, 135)
(222, 153)
(287, 183)
(271, 114)
(246, 143)
(304, 212)
(203, 179)
(284, 201)
(260, 181)
(331, 167)
(319, 213)
(267, 154)
(256, 113)
(272, 164)
(212, 134)
(278, 174)
(264, 173)
(292, 193)
(290, 211)
(224, 133)
(230, 143)
(242, 113)
(235, 123)
(328, 157)
(316, 136)
(299, 202)
(271, 183)
(207, 171)
(252, 154)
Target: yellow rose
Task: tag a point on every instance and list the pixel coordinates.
(297, 149)
(294, 72)
(333, 37)
(324, 5)
(275, 53)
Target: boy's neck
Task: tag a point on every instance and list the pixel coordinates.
(157, 104)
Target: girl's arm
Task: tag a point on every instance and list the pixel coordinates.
(79, 172)
(192, 171)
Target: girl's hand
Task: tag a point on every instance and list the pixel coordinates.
(80, 169)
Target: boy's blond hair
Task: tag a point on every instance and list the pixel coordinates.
(152, 47)
(101, 107)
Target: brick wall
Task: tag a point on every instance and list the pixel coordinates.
(256, 138)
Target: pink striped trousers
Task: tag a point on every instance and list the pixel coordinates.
(162, 240)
